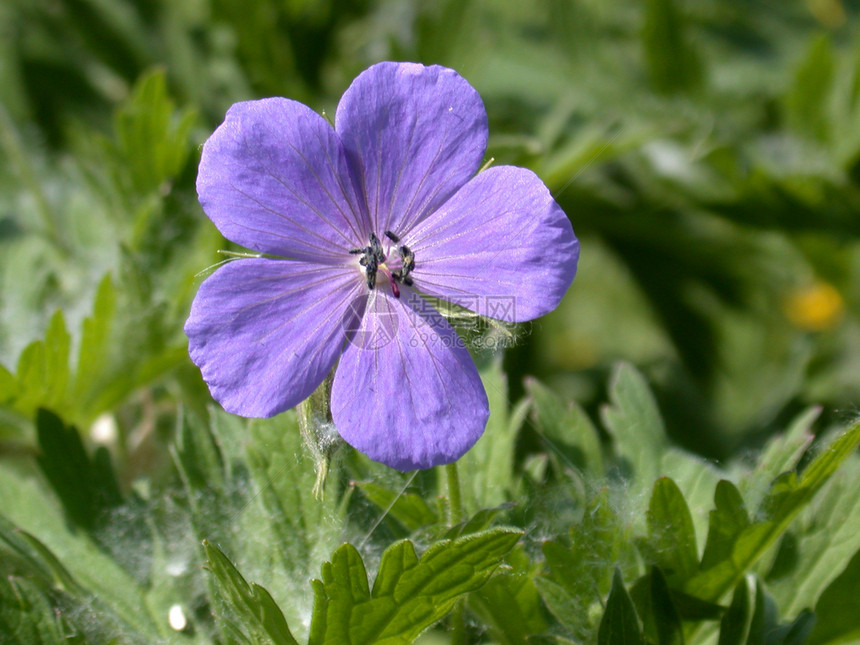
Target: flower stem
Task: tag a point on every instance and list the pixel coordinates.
(455, 516)
(455, 500)
(458, 624)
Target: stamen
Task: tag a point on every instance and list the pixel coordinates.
(373, 259)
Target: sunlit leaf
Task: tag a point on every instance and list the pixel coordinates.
(409, 594)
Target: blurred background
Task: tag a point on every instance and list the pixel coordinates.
(707, 153)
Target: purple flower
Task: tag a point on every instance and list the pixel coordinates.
(355, 222)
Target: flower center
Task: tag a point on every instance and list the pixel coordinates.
(396, 266)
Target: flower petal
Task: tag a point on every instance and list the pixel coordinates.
(406, 392)
(500, 246)
(414, 135)
(265, 333)
(273, 177)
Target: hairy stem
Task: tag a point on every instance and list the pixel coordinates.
(455, 516)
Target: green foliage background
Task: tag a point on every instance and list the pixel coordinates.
(708, 155)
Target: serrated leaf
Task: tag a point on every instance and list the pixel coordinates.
(261, 618)
(569, 433)
(43, 370)
(671, 537)
(409, 594)
(753, 619)
(94, 352)
(634, 421)
(688, 608)
(151, 140)
(787, 498)
(200, 464)
(197, 454)
(620, 624)
(799, 630)
(87, 487)
(481, 520)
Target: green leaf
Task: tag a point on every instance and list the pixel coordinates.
(798, 631)
(787, 497)
(671, 537)
(197, 454)
(26, 614)
(735, 623)
(411, 510)
(87, 487)
(581, 571)
(43, 370)
(564, 606)
(781, 454)
(94, 355)
(634, 421)
(620, 624)
(200, 464)
(487, 470)
(753, 619)
(151, 140)
(261, 618)
(8, 386)
(85, 583)
(667, 621)
(836, 609)
(509, 602)
(481, 520)
(823, 537)
(284, 472)
(409, 595)
(569, 433)
(726, 522)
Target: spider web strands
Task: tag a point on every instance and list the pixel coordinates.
(387, 510)
(588, 164)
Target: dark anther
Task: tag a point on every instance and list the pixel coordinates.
(371, 259)
(407, 259)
